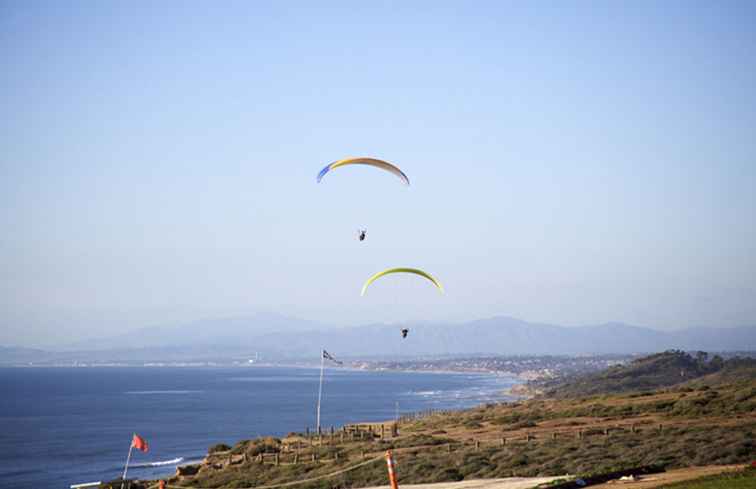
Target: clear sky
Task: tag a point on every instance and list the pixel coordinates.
(571, 162)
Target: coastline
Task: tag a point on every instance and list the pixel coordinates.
(522, 391)
(487, 389)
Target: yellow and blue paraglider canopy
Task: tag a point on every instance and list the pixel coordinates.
(383, 165)
(402, 270)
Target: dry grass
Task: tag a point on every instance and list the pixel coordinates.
(699, 427)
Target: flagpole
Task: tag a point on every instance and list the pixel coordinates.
(320, 388)
(123, 478)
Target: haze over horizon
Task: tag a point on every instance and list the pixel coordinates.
(572, 164)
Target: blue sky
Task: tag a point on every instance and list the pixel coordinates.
(576, 163)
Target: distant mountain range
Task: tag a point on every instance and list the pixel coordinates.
(236, 332)
(508, 336)
(279, 337)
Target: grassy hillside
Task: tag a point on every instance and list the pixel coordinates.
(710, 419)
(653, 372)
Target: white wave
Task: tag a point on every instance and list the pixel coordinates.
(427, 393)
(191, 462)
(280, 378)
(147, 393)
(173, 461)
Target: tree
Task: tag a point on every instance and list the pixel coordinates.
(701, 357)
(716, 363)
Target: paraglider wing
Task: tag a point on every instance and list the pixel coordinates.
(401, 270)
(383, 165)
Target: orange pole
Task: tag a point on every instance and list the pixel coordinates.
(391, 470)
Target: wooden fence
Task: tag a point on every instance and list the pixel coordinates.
(313, 451)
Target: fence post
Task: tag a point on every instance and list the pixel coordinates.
(391, 470)
(503, 441)
(477, 445)
(448, 447)
(275, 459)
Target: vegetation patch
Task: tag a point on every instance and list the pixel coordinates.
(742, 479)
(707, 420)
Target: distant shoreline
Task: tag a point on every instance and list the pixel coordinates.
(272, 365)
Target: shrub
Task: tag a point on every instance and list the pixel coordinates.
(263, 445)
(220, 447)
(450, 474)
(524, 424)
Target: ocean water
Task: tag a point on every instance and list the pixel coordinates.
(62, 426)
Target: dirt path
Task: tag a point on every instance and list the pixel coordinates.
(506, 483)
(645, 482)
(676, 475)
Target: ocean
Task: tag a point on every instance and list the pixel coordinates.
(62, 426)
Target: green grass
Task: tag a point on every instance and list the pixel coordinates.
(745, 479)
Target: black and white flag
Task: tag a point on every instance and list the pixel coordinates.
(328, 356)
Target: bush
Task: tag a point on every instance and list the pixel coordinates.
(263, 445)
(524, 424)
(220, 447)
(446, 475)
(117, 483)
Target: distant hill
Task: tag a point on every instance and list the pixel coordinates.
(506, 336)
(14, 355)
(219, 333)
(278, 337)
(735, 370)
(670, 368)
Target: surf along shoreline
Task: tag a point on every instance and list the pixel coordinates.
(494, 394)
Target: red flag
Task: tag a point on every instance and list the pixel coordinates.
(140, 443)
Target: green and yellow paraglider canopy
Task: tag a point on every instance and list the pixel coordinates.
(375, 162)
(402, 270)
